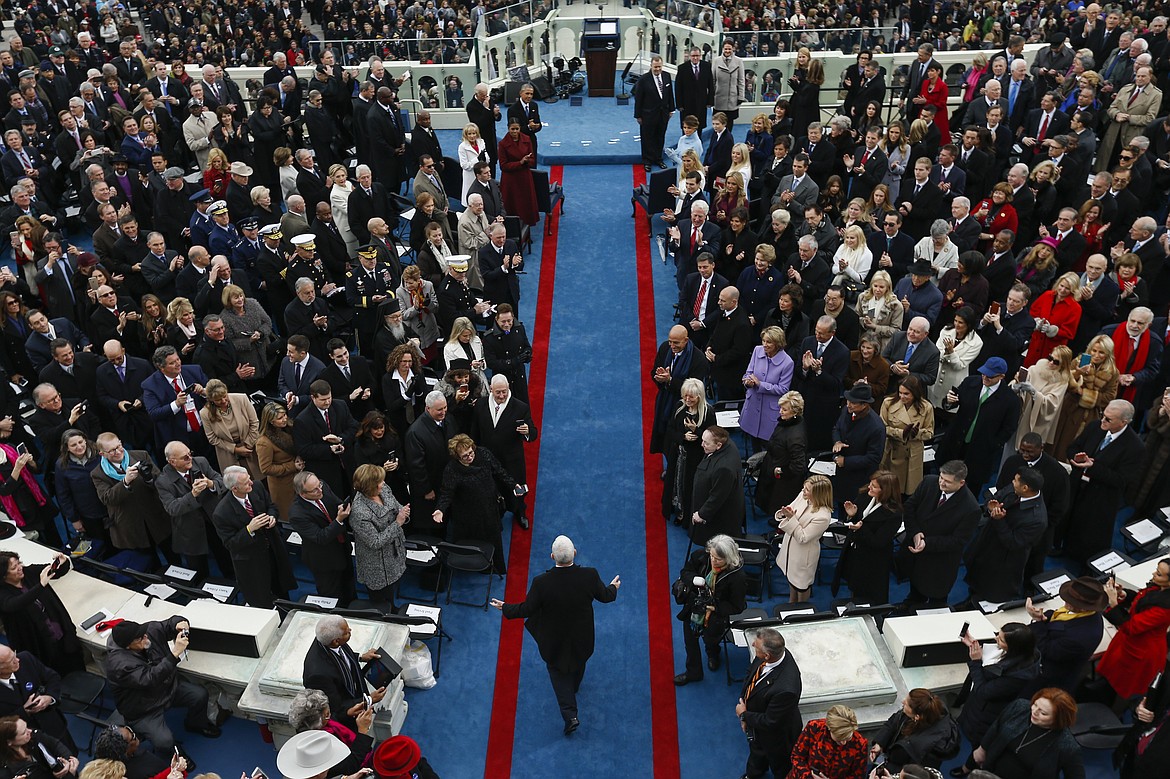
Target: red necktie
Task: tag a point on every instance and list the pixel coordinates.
(321, 506)
(1043, 128)
(1133, 97)
(248, 508)
(192, 417)
(694, 240)
(328, 426)
(699, 298)
(865, 157)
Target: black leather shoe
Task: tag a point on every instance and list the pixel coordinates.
(958, 772)
(223, 716)
(682, 680)
(523, 523)
(207, 731)
(662, 165)
(572, 725)
(713, 662)
(647, 168)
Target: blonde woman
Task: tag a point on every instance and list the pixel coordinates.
(692, 161)
(1042, 389)
(879, 310)
(472, 149)
(741, 163)
(465, 344)
(802, 522)
(897, 150)
(831, 747)
(229, 419)
(853, 258)
(339, 194)
(1093, 385)
(958, 346)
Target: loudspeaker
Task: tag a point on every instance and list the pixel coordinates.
(542, 87)
(511, 92)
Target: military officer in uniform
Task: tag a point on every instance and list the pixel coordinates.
(247, 251)
(224, 237)
(272, 267)
(366, 287)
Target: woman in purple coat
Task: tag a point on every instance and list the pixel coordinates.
(768, 376)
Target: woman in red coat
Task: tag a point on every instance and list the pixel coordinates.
(935, 92)
(996, 212)
(1138, 652)
(830, 747)
(1057, 314)
(516, 162)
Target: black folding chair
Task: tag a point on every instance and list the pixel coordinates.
(474, 557)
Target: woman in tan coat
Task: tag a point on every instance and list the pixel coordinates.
(231, 427)
(1042, 389)
(277, 455)
(802, 522)
(909, 420)
(1092, 386)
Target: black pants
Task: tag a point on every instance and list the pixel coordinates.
(710, 637)
(337, 584)
(653, 132)
(565, 687)
(762, 756)
(153, 726)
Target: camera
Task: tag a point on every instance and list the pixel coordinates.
(146, 472)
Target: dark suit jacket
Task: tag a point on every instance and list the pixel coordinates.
(363, 208)
(158, 395)
(946, 529)
(684, 260)
(485, 119)
(822, 158)
(83, 382)
(927, 206)
(189, 513)
(966, 235)
(995, 564)
(55, 287)
(559, 614)
(1055, 492)
(862, 184)
(693, 95)
(717, 494)
(32, 677)
(717, 157)
(259, 558)
(37, 345)
(501, 439)
(360, 375)
(325, 544)
(111, 390)
(493, 198)
(286, 381)
(977, 110)
(309, 432)
(923, 363)
(686, 304)
(498, 286)
(1000, 275)
(647, 104)
(426, 454)
(732, 340)
(1025, 99)
(995, 422)
(773, 708)
(516, 111)
(323, 672)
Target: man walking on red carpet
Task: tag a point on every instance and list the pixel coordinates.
(559, 614)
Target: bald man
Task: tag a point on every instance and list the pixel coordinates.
(31, 690)
(677, 360)
(119, 389)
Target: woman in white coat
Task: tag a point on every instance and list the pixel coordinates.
(339, 194)
(958, 346)
(802, 522)
(465, 344)
(1042, 389)
(472, 149)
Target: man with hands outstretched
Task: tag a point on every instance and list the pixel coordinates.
(559, 614)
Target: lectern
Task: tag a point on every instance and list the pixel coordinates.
(600, 41)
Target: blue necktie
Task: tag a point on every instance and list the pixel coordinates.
(909, 352)
(1012, 96)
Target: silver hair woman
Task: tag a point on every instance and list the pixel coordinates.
(309, 710)
(709, 608)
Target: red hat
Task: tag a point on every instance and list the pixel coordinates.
(395, 756)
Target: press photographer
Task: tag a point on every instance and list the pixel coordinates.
(711, 588)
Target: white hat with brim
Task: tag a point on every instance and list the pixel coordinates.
(307, 240)
(308, 754)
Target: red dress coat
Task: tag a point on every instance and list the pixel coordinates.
(516, 178)
(937, 97)
(1066, 315)
(1138, 652)
(816, 750)
(998, 218)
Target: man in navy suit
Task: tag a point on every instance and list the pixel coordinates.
(20, 161)
(173, 396)
(769, 706)
(119, 384)
(297, 373)
(867, 166)
(919, 200)
(55, 279)
(324, 434)
(949, 177)
(694, 88)
(915, 75)
(820, 375)
(44, 330)
(653, 107)
(692, 237)
(697, 308)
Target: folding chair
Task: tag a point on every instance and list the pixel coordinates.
(473, 557)
(746, 619)
(755, 553)
(80, 690)
(421, 546)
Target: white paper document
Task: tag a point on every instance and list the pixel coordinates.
(824, 468)
(175, 572)
(1145, 531)
(160, 591)
(221, 592)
